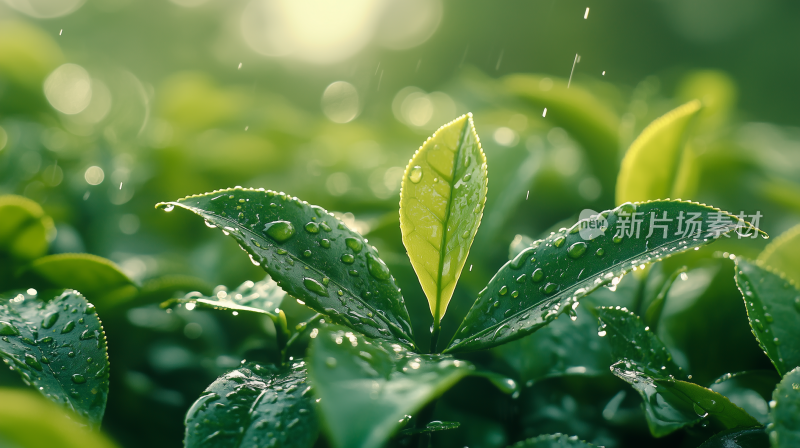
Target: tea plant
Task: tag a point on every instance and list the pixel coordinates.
(365, 380)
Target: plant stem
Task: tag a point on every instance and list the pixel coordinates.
(435, 337)
(304, 325)
(423, 418)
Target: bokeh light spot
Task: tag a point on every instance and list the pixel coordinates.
(340, 102)
(69, 89)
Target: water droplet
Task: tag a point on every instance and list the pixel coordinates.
(78, 378)
(699, 411)
(166, 207)
(577, 250)
(50, 320)
(415, 175)
(617, 239)
(353, 272)
(537, 275)
(377, 268)
(8, 329)
(330, 362)
(496, 304)
(504, 290)
(279, 231)
(550, 288)
(282, 251)
(600, 252)
(326, 243)
(465, 235)
(514, 294)
(315, 286)
(312, 227)
(521, 258)
(87, 334)
(306, 253)
(68, 327)
(627, 208)
(559, 241)
(348, 258)
(90, 309)
(601, 333)
(32, 361)
(467, 177)
(354, 244)
(768, 317)
(325, 226)
(521, 278)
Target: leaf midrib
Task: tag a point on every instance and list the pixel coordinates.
(443, 244)
(301, 261)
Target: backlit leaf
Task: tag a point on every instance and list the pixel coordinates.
(368, 387)
(312, 255)
(773, 308)
(252, 407)
(58, 346)
(650, 167)
(738, 438)
(550, 277)
(783, 254)
(24, 229)
(441, 205)
(264, 297)
(784, 415)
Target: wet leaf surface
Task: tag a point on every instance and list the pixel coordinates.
(552, 441)
(784, 414)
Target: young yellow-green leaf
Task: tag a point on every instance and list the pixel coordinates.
(98, 278)
(738, 438)
(784, 415)
(773, 308)
(550, 277)
(254, 406)
(367, 387)
(312, 255)
(58, 346)
(24, 229)
(30, 421)
(783, 254)
(650, 167)
(552, 441)
(647, 365)
(441, 205)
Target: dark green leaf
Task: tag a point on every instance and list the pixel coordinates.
(773, 308)
(441, 205)
(751, 390)
(550, 278)
(433, 426)
(562, 348)
(553, 441)
(312, 255)
(264, 297)
(254, 406)
(738, 438)
(650, 169)
(58, 346)
(97, 278)
(24, 229)
(30, 421)
(783, 254)
(647, 365)
(784, 415)
(368, 387)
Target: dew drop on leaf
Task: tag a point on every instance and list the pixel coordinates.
(78, 378)
(8, 329)
(537, 275)
(559, 241)
(354, 244)
(577, 250)
(68, 327)
(315, 286)
(348, 258)
(312, 227)
(50, 320)
(377, 268)
(279, 231)
(415, 175)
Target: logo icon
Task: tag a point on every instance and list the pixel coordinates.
(592, 224)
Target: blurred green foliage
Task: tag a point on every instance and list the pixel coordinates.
(172, 112)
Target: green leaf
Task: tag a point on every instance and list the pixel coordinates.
(738, 438)
(254, 406)
(97, 278)
(784, 415)
(783, 254)
(562, 348)
(650, 169)
(264, 297)
(30, 421)
(647, 365)
(441, 205)
(550, 277)
(433, 426)
(751, 390)
(312, 255)
(585, 116)
(58, 346)
(24, 229)
(552, 441)
(773, 308)
(368, 387)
